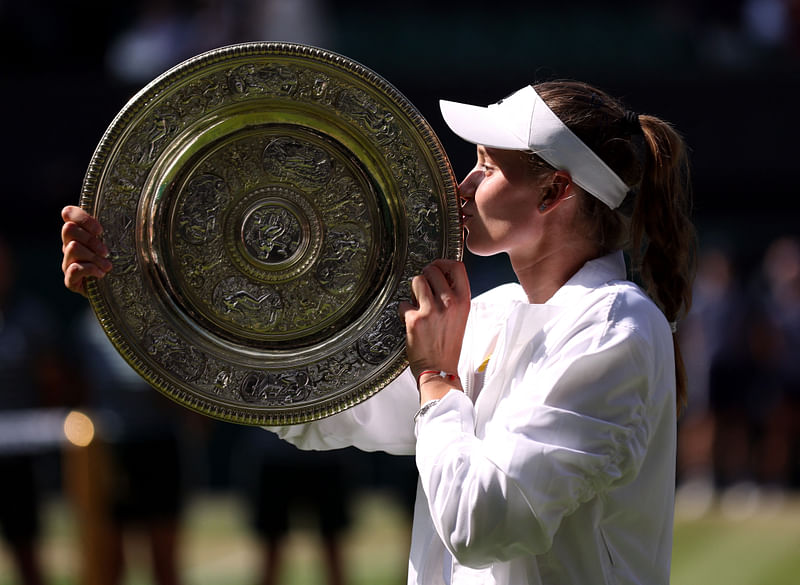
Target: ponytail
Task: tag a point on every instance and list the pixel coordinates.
(653, 224)
(661, 231)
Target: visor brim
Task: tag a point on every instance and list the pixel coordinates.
(479, 125)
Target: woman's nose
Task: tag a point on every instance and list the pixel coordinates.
(466, 189)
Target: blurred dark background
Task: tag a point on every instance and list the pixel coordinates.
(726, 73)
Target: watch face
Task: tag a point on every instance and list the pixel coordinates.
(266, 206)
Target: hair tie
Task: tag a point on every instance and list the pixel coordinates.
(632, 121)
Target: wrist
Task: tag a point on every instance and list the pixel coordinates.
(427, 375)
(434, 384)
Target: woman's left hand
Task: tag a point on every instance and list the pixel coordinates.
(435, 324)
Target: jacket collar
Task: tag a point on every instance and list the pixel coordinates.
(595, 273)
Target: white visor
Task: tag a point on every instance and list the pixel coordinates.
(523, 121)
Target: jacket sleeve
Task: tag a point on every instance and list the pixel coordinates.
(384, 422)
(568, 429)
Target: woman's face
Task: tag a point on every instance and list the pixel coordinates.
(500, 200)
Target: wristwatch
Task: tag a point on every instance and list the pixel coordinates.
(425, 408)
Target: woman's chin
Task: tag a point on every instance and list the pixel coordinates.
(476, 249)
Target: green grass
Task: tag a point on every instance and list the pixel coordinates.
(763, 549)
(218, 549)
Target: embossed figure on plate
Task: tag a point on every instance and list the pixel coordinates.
(206, 194)
(271, 233)
(297, 161)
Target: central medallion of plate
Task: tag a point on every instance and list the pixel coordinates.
(274, 231)
(275, 238)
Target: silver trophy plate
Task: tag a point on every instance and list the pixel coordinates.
(266, 206)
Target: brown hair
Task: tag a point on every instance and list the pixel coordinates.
(653, 224)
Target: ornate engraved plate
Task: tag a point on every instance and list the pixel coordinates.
(266, 206)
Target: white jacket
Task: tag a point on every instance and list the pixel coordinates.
(562, 471)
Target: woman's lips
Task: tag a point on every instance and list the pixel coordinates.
(465, 214)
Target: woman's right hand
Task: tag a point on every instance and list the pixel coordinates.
(85, 254)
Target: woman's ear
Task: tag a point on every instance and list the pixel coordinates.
(559, 189)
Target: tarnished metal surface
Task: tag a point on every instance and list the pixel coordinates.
(266, 205)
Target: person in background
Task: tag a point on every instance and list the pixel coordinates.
(143, 432)
(778, 399)
(27, 358)
(286, 488)
(713, 431)
(542, 413)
